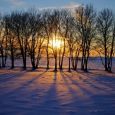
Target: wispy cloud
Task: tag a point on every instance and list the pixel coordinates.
(10, 5)
(72, 5)
(17, 3)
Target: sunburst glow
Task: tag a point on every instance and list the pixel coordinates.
(56, 43)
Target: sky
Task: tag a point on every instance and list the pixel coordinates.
(10, 5)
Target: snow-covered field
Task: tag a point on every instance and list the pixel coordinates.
(42, 92)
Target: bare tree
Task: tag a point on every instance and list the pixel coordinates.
(36, 39)
(74, 48)
(106, 38)
(12, 42)
(20, 29)
(3, 42)
(63, 31)
(47, 24)
(85, 17)
(55, 19)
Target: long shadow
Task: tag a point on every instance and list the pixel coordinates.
(102, 101)
(9, 76)
(26, 84)
(67, 84)
(79, 84)
(98, 102)
(94, 82)
(50, 101)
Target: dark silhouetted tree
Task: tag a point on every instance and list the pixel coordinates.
(106, 38)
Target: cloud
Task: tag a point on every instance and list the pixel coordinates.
(17, 3)
(72, 5)
(12, 5)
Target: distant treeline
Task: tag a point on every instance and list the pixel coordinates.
(28, 34)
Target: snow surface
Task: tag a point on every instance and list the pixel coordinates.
(42, 92)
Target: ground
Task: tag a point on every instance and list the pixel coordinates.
(42, 92)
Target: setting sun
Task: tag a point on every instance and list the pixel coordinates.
(56, 43)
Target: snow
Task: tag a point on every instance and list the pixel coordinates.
(42, 92)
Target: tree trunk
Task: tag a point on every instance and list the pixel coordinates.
(69, 66)
(12, 60)
(55, 63)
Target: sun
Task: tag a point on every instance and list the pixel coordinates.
(56, 43)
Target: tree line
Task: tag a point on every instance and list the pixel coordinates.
(28, 34)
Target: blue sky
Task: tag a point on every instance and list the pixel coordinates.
(9, 5)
